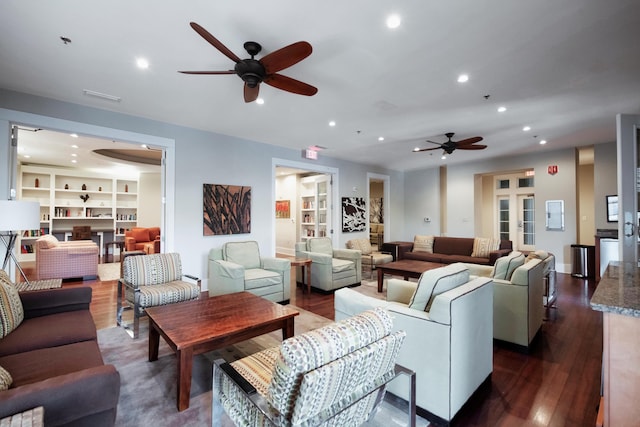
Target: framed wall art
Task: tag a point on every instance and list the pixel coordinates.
(283, 208)
(353, 214)
(226, 209)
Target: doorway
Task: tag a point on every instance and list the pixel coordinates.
(378, 196)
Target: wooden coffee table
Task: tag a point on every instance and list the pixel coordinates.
(199, 326)
(406, 268)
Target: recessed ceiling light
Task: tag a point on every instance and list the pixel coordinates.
(502, 109)
(74, 146)
(26, 156)
(259, 101)
(393, 21)
(543, 141)
(142, 63)
(74, 161)
(381, 138)
(332, 123)
(526, 128)
(74, 155)
(463, 78)
(443, 157)
(73, 135)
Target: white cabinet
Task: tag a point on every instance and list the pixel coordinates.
(315, 212)
(69, 198)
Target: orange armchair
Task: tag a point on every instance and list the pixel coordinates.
(142, 239)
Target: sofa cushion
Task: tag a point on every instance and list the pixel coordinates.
(340, 265)
(140, 234)
(363, 245)
(246, 254)
(167, 293)
(482, 246)
(434, 282)
(423, 244)
(45, 363)
(5, 379)
(49, 331)
(538, 254)
(258, 278)
(48, 241)
(321, 245)
(505, 266)
(11, 311)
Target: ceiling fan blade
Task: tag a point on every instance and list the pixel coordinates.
(427, 149)
(433, 142)
(472, 147)
(286, 57)
(469, 141)
(214, 42)
(208, 72)
(290, 85)
(251, 93)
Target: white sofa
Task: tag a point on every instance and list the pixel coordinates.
(449, 346)
(518, 308)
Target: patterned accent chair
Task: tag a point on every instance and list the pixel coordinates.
(370, 258)
(332, 376)
(238, 267)
(330, 268)
(149, 281)
(63, 260)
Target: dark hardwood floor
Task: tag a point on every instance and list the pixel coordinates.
(556, 384)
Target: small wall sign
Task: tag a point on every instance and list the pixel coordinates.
(552, 169)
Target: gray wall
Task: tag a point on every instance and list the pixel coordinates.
(206, 157)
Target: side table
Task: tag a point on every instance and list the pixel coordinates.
(304, 263)
(116, 243)
(394, 248)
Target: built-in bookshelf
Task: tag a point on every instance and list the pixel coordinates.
(314, 212)
(69, 198)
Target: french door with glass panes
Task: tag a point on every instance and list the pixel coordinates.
(526, 222)
(517, 225)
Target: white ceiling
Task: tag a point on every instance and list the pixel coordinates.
(563, 67)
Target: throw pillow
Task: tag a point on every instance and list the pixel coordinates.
(423, 244)
(321, 245)
(11, 311)
(48, 241)
(140, 234)
(434, 282)
(505, 266)
(5, 379)
(539, 254)
(362, 245)
(483, 246)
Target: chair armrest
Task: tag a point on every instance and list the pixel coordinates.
(130, 243)
(400, 290)
(479, 270)
(317, 257)
(68, 397)
(350, 254)
(276, 264)
(51, 301)
(229, 269)
(194, 279)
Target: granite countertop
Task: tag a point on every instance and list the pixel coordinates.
(619, 290)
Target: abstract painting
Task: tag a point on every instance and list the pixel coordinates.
(227, 209)
(283, 208)
(353, 214)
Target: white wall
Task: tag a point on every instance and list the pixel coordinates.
(149, 200)
(605, 177)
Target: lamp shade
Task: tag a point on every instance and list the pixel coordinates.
(19, 215)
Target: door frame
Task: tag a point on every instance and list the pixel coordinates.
(167, 145)
(334, 172)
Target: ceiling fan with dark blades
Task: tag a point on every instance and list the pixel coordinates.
(255, 71)
(450, 146)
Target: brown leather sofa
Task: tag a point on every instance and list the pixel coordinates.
(142, 239)
(55, 362)
(447, 250)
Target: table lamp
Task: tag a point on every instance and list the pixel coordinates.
(15, 216)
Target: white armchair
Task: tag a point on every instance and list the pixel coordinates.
(448, 319)
(330, 268)
(238, 266)
(518, 308)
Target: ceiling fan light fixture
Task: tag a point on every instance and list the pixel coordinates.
(393, 21)
(502, 109)
(463, 78)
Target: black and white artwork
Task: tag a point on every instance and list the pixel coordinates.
(353, 214)
(375, 210)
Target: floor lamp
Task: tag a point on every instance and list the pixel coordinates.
(15, 216)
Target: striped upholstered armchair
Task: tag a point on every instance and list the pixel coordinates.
(152, 280)
(332, 376)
